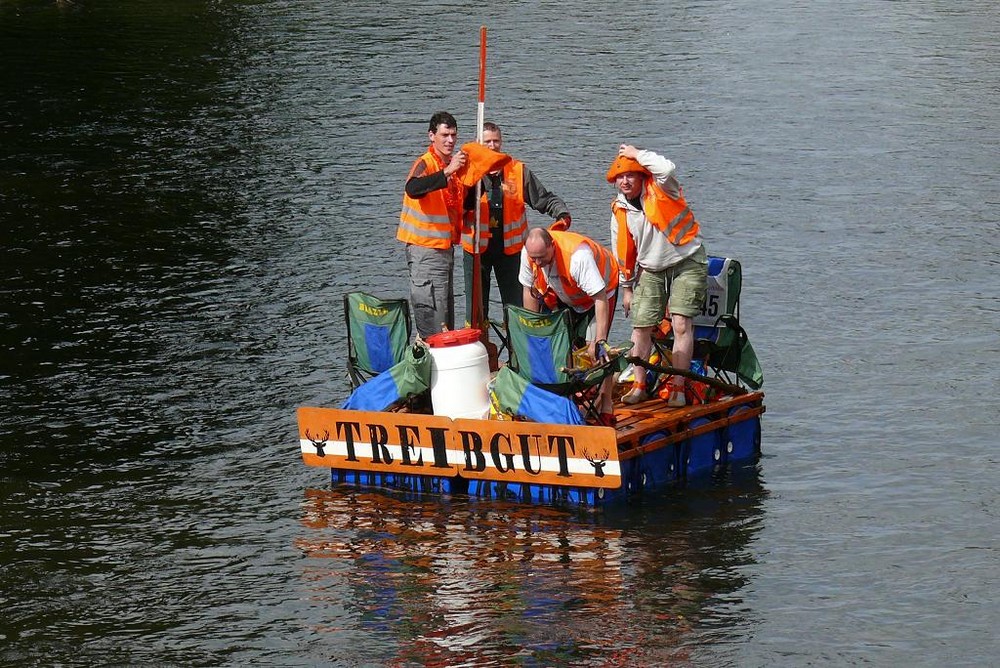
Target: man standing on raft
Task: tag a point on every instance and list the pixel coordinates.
(663, 263)
(430, 223)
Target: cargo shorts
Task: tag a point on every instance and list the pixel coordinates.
(685, 283)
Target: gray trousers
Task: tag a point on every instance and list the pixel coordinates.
(432, 288)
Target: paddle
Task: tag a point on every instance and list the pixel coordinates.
(735, 390)
(477, 317)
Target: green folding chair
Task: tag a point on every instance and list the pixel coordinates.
(378, 333)
(541, 346)
(541, 352)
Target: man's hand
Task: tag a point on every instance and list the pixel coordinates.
(626, 300)
(561, 224)
(598, 350)
(457, 162)
(628, 151)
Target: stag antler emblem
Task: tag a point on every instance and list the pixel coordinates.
(597, 463)
(320, 443)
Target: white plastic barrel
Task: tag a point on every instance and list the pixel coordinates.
(460, 372)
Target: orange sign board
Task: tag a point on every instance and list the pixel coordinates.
(434, 445)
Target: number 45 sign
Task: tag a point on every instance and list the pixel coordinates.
(717, 298)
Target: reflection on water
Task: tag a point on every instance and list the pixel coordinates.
(461, 582)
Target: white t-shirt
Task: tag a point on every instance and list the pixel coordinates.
(582, 267)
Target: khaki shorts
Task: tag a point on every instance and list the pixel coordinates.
(685, 283)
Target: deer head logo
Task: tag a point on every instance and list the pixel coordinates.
(597, 462)
(319, 443)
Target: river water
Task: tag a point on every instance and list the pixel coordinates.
(187, 189)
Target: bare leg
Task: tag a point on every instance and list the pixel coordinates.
(642, 342)
(683, 345)
(605, 398)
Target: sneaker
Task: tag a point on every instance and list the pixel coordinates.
(635, 395)
(676, 398)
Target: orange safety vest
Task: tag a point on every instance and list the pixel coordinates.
(515, 219)
(671, 216)
(565, 243)
(432, 220)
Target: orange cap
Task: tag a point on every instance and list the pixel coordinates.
(621, 165)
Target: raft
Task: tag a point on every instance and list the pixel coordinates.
(650, 447)
(444, 417)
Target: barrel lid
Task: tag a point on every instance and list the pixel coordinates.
(454, 337)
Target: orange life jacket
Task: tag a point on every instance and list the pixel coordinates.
(480, 160)
(565, 243)
(671, 216)
(434, 220)
(515, 219)
(625, 250)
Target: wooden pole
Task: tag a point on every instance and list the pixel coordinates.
(477, 317)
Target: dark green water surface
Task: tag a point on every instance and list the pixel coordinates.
(188, 188)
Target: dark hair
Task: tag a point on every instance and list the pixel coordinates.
(492, 127)
(443, 118)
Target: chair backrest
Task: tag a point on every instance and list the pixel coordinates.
(718, 326)
(541, 345)
(722, 302)
(541, 354)
(378, 332)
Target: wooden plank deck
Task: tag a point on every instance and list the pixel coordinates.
(638, 421)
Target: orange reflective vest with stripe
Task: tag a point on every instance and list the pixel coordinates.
(565, 243)
(515, 219)
(430, 221)
(670, 216)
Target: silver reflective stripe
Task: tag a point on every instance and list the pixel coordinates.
(514, 225)
(678, 218)
(424, 232)
(423, 217)
(483, 241)
(675, 223)
(483, 228)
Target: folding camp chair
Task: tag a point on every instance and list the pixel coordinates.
(378, 333)
(720, 342)
(541, 351)
(499, 328)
